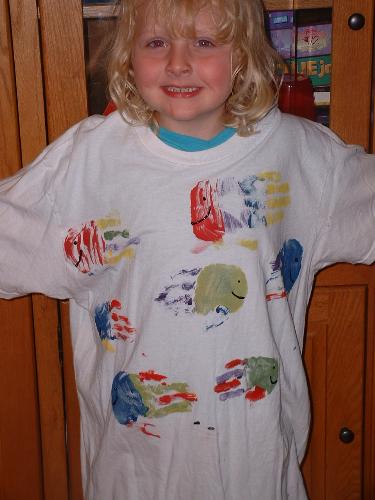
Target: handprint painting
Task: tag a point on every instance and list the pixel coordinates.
(252, 378)
(99, 243)
(214, 291)
(227, 205)
(112, 324)
(285, 270)
(147, 394)
(289, 262)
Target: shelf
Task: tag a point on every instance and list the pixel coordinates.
(297, 4)
(103, 11)
(98, 11)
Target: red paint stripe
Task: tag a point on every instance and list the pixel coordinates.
(225, 386)
(233, 363)
(151, 375)
(167, 398)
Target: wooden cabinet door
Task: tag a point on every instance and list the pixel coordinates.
(335, 362)
(339, 348)
(46, 73)
(39, 99)
(20, 448)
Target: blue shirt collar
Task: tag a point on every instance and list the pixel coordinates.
(189, 143)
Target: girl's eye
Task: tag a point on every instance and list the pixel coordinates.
(203, 43)
(155, 44)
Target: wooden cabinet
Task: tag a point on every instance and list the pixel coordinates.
(42, 92)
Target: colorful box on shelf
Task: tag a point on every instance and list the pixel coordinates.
(280, 19)
(283, 42)
(312, 40)
(318, 69)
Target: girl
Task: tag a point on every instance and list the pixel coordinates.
(186, 229)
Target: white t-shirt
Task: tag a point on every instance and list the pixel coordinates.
(189, 275)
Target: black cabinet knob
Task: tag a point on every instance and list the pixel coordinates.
(346, 435)
(356, 21)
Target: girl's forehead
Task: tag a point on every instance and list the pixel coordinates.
(177, 18)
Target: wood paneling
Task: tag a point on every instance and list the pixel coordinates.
(51, 398)
(352, 72)
(297, 4)
(20, 450)
(61, 32)
(72, 410)
(30, 97)
(50, 76)
(63, 64)
(335, 363)
(361, 276)
(9, 134)
(29, 79)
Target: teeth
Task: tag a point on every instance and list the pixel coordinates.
(182, 89)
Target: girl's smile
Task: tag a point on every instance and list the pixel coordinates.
(181, 92)
(186, 81)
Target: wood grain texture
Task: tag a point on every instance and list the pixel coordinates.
(345, 388)
(51, 399)
(95, 11)
(61, 32)
(296, 4)
(10, 159)
(20, 451)
(351, 72)
(334, 358)
(361, 276)
(315, 356)
(29, 78)
(71, 409)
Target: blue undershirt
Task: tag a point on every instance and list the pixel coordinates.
(189, 143)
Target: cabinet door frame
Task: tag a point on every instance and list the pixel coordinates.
(51, 95)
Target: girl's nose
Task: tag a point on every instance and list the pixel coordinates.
(179, 61)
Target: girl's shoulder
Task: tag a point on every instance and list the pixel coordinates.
(313, 140)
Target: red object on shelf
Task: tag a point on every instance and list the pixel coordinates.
(110, 108)
(297, 96)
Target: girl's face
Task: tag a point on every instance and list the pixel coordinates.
(186, 81)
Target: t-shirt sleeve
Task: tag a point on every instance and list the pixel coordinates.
(31, 253)
(346, 225)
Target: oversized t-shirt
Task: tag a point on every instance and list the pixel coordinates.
(189, 275)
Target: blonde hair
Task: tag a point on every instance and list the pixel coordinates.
(255, 75)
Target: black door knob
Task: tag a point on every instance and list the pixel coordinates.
(356, 21)
(346, 435)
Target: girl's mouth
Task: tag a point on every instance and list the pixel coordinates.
(181, 92)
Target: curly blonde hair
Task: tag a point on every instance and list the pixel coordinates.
(255, 77)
